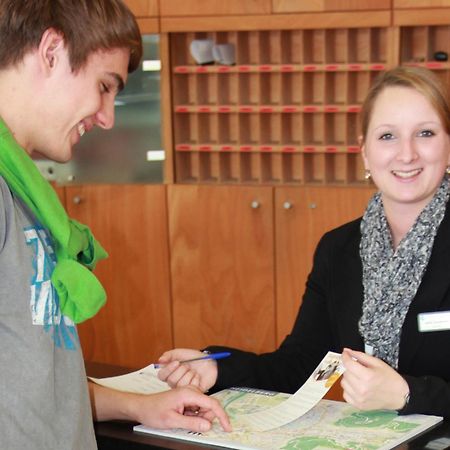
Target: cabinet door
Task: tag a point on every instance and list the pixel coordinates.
(302, 216)
(221, 244)
(130, 221)
(60, 192)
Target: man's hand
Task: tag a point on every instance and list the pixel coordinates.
(181, 408)
(185, 407)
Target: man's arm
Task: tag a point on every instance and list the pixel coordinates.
(178, 408)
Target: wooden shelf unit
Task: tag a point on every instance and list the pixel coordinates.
(419, 43)
(286, 113)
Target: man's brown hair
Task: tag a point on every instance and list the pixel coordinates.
(87, 26)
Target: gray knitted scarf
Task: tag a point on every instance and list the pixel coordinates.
(391, 279)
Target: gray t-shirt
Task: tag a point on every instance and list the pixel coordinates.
(44, 401)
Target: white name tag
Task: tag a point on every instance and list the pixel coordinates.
(434, 321)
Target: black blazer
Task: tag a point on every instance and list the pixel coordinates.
(328, 321)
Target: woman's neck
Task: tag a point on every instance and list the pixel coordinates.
(400, 220)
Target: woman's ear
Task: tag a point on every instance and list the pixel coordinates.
(50, 48)
(448, 146)
(362, 148)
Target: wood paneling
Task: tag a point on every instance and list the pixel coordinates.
(222, 266)
(148, 25)
(292, 6)
(166, 109)
(435, 16)
(411, 4)
(312, 212)
(144, 8)
(214, 7)
(278, 22)
(130, 221)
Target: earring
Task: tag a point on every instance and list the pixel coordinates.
(447, 170)
(367, 174)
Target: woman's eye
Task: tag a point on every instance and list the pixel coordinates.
(426, 133)
(386, 137)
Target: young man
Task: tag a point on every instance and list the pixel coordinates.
(62, 63)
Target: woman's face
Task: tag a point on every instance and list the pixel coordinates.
(406, 149)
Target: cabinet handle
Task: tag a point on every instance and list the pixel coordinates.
(287, 205)
(77, 200)
(312, 205)
(255, 204)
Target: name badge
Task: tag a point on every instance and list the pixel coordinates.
(433, 321)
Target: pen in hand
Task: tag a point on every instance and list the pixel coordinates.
(200, 358)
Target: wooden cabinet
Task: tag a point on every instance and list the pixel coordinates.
(221, 244)
(60, 192)
(424, 36)
(286, 113)
(302, 216)
(240, 258)
(134, 327)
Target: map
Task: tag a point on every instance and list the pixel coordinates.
(328, 425)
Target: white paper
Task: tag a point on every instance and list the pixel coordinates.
(317, 385)
(143, 381)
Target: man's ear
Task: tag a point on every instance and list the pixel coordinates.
(50, 49)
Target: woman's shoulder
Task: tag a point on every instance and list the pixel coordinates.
(349, 228)
(344, 235)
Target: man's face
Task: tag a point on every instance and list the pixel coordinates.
(79, 101)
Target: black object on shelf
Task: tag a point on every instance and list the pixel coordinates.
(440, 56)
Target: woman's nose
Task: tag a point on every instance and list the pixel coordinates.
(407, 151)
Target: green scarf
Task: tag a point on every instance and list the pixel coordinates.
(80, 293)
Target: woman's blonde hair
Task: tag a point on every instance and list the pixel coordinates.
(422, 80)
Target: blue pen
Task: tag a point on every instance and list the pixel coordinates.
(201, 358)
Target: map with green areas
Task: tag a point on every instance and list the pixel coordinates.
(329, 425)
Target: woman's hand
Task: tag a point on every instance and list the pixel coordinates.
(201, 374)
(369, 383)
